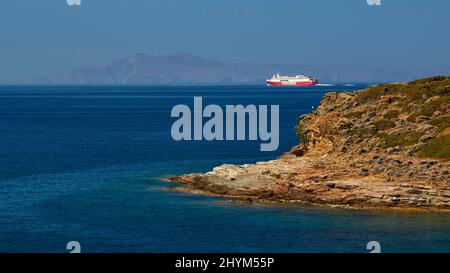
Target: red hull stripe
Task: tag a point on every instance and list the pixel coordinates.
(275, 83)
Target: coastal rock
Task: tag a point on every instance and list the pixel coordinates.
(422, 118)
(426, 138)
(228, 171)
(369, 149)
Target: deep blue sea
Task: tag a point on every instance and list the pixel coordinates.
(84, 164)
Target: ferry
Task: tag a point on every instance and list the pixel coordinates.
(297, 80)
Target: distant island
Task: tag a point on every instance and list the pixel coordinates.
(186, 69)
(387, 146)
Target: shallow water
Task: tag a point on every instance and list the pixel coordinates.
(83, 164)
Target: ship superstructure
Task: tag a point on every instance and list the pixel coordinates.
(297, 80)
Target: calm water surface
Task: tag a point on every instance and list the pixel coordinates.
(83, 163)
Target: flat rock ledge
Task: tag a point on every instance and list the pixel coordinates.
(323, 181)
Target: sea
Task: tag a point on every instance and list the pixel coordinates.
(87, 163)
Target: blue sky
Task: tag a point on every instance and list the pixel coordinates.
(47, 36)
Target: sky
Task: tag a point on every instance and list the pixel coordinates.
(49, 36)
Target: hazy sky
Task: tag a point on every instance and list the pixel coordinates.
(47, 36)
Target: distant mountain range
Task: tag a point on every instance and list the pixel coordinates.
(183, 68)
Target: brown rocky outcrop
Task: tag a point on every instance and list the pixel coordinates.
(383, 147)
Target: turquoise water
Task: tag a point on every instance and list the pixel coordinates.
(83, 164)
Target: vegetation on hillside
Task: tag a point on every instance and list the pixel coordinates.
(438, 147)
(411, 118)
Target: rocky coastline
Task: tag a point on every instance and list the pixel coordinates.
(385, 147)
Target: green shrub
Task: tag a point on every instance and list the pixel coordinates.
(367, 96)
(384, 124)
(415, 94)
(374, 92)
(433, 106)
(441, 123)
(429, 108)
(406, 138)
(364, 133)
(438, 147)
(442, 90)
(434, 86)
(356, 114)
(392, 114)
(412, 117)
(414, 91)
(429, 80)
(301, 130)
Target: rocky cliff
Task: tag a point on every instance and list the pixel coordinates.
(387, 146)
